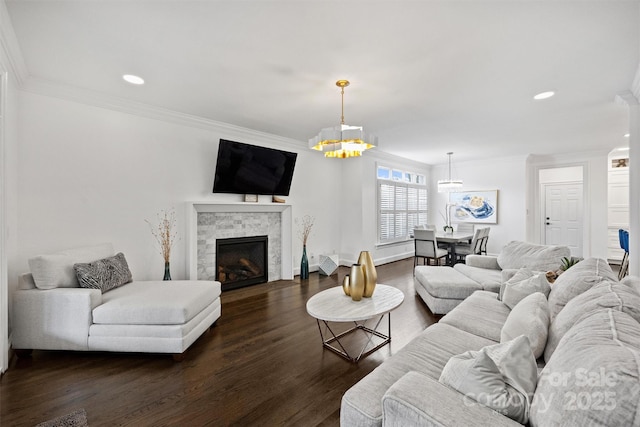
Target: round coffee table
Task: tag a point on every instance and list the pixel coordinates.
(332, 305)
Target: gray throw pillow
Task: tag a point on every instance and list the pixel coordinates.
(524, 283)
(104, 274)
(501, 376)
(529, 317)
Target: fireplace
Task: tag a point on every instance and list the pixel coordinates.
(242, 261)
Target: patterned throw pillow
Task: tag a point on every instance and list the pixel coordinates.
(104, 274)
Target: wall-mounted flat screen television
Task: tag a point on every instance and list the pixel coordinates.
(249, 169)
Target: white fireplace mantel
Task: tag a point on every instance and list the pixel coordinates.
(193, 208)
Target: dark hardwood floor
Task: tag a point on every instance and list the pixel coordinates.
(262, 364)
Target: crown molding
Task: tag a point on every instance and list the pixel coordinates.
(10, 49)
(54, 89)
(626, 98)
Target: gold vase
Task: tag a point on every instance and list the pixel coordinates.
(370, 273)
(356, 282)
(346, 286)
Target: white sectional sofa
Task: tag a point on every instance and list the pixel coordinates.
(51, 311)
(588, 372)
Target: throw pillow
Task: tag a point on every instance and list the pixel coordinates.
(104, 274)
(529, 317)
(56, 270)
(618, 296)
(576, 280)
(501, 376)
(524, 283)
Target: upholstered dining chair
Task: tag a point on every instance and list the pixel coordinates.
(426, 247)
(464, 227)
(485, 239)
(462, 250)
(623, 236)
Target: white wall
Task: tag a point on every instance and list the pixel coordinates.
(508, 176)
(90, 175)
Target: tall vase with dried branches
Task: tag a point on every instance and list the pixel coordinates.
(306, 225)
(165, 233)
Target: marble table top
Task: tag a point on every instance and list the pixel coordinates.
(334, 306)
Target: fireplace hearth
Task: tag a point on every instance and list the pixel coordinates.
(241, 261)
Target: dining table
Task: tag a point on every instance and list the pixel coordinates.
(451, 239)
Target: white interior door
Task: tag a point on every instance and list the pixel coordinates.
(562, 221)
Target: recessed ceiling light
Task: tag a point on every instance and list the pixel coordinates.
(626, 135)
(134, 80)
(544, 95)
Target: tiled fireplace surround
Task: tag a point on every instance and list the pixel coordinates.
(208, 221)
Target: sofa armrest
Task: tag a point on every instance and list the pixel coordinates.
(483, 261)
(53, 319)
(416, 399)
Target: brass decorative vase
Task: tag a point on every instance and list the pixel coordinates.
(346, 287)
(370, 273)
(356, 282)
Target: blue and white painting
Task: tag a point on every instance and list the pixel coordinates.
(474, 206)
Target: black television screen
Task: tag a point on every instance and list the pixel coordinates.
(250, 169)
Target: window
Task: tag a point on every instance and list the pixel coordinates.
(402, 203)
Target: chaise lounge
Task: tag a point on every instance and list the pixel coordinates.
(51, 311)
(443, 288)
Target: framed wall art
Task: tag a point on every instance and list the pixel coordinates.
(474, 206)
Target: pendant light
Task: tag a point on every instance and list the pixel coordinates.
(449, 184)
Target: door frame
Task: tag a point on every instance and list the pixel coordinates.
(543, 208)
(534, 212)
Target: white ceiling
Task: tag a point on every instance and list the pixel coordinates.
(426, 76)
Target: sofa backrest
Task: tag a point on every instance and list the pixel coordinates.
(534, 257)
(56, 270)
(593, 376)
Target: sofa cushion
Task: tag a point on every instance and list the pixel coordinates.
(56, 270)
(488, 279)
(534, 257)
(501, 376)
(427, 354)
(524, 283)
(593, 376)
(481, 314)
(618, 296)
(633, 282)
(104, 274)
(576, 280)
(530, 317)
(156, 302)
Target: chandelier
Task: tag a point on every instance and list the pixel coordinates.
(344, 140)
(449, 184)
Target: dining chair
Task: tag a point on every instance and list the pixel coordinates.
(426, 247)
(485, 239)
(623, 236)
(464, 227)
(462, 250)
